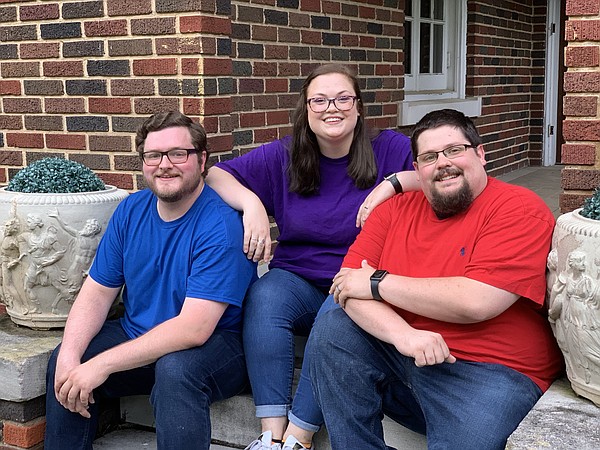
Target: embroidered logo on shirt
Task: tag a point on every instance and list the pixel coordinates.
(462, 251)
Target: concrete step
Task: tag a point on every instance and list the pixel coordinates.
(135, 439)
(234, 424)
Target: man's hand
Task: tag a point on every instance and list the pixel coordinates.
(74, 385)
(426, 347)
(352, 283)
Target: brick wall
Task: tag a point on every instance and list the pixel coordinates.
(505, 66)
(581, 127)
(78, 77)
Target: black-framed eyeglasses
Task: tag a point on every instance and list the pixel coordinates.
(176, 156)
(321, 104)
(425, 159)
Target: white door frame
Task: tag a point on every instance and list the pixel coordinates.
(551, 88)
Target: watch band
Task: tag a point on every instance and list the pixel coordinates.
(376, 278)
(392, 178)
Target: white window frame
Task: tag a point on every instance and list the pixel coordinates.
(421, 95)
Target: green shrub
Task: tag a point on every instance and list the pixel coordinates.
(55, 176)
(591, 206)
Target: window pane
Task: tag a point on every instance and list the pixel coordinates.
(408, 43)
(438, 10)
(408, 9)
(424, 48)
(438, 48)
(426, 9)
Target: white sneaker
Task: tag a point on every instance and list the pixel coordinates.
(291, 443)
(263, 443)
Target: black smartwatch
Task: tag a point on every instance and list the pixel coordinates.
(376, 278)
(392, 178)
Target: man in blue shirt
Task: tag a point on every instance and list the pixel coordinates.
(176, 248)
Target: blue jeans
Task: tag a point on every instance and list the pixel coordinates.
(357, 378)
(278, 306)
(182, 386)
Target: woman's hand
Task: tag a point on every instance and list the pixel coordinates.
(257, 233)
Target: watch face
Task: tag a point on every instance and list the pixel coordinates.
(379, 274)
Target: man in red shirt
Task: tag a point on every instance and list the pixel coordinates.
(442, 325)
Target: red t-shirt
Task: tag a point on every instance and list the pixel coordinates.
(502, 240)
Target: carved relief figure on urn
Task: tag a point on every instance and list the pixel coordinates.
(574, 295)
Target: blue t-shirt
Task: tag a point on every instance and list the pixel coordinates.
(161, 263)
(316, 230)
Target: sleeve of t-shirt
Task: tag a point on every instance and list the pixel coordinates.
(220, 273)
(259, 171)
(511, 250)
(107, 267)
(398, 150)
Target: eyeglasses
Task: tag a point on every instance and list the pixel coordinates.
(321, 104)
(425, 159)
(176, 156)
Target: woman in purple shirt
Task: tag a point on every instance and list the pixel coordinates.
(313, 183)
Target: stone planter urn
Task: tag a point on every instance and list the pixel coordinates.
(574, 299)
(48, 242)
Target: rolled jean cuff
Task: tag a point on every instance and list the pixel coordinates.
(302, 424)
(272, 410)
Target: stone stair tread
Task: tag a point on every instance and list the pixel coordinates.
(135, 439)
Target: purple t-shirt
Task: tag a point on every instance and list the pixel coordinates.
(316, 230)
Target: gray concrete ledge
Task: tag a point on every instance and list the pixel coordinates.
(24, 355)
(559, 420)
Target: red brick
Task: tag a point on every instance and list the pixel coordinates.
(155, 66)
(311, 37)
(2, 180)
(40, 50)
(24, 435)
(110, 105)
(278, 118)
(582, 30)
(253, 119)
(64, 105)
(20, 69)
(216, 66)
(39, 12)
(11, 158)
(581, 130)
(580, 179)
(582, 82)
(66, 141)
(580, 154)
(106, 28)
(192, 106)
(10, 122)
(267, 135)
(128, 7)
(63, 68)
(10, 87)
(22, 105)
(154, 105)
(588, 56)
(216, 106)
(569, 202)
(276, 52)
(582, 7)
(310, 5)
(221, 143)
(276, 85)
(264, 33)
(211, 124)
(265, 69)
(205, 24)
(120, 180)
(154, 26)
(179, 46)
(111, 143)
(580, 106)
(26, 140)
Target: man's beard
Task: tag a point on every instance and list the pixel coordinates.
(446, 206)
(186, 189)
